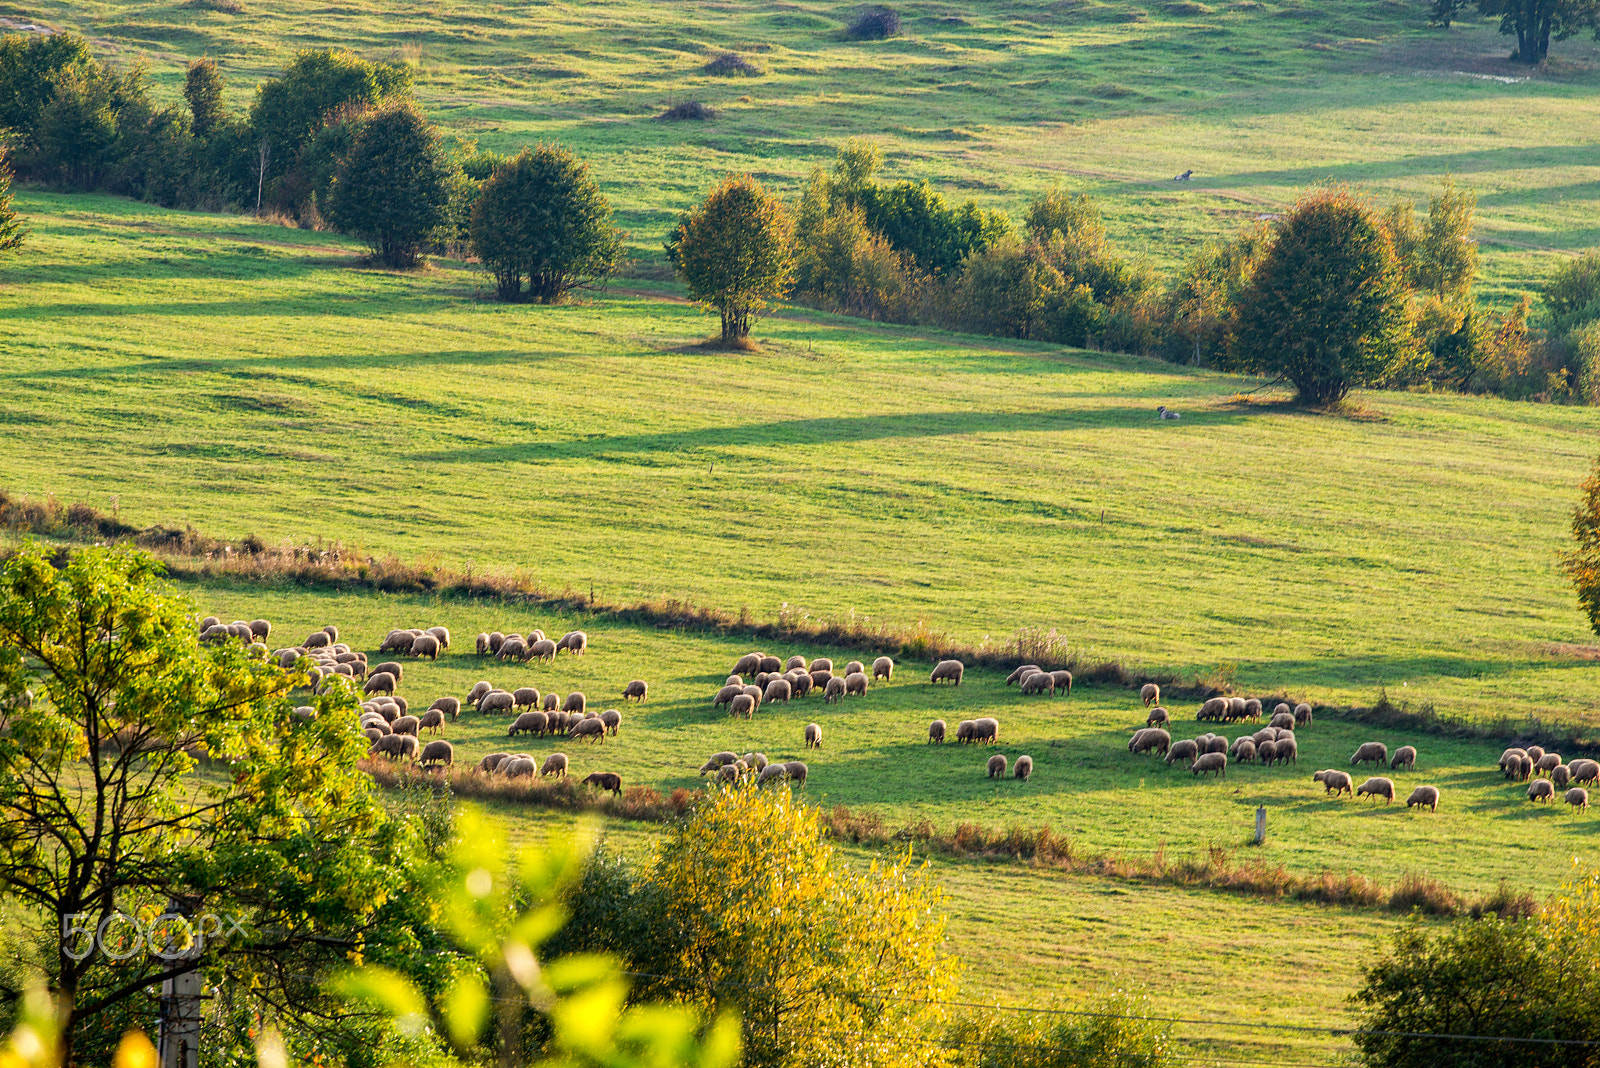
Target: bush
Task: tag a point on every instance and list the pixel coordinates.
(688, 111)
(1112, 1036)
(732, 65)
(735, 252)
(842, 265)
(1572, 296)
(30, 66)
(392, 187)
(11, 232)
(874, 24)
(202, 89)
(541, 217)
(1326, 307)
(1202, 304)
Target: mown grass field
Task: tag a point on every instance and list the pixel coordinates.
(989, 99)
(251, 380)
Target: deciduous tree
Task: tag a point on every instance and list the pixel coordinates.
(392, 186)
(1533, 22)
(734, 252)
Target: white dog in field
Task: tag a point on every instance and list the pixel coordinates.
(1163, 412)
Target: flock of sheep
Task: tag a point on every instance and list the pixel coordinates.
(1549, 774)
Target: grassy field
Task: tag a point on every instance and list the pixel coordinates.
(989, 99)
(248, 380)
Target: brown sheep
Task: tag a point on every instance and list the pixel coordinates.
(834, 691)
(477, 692)
(1282, 709)
(525, 697)
(1378, 786)
(755, 693)
(986, 729)
(636, 691)
(777, 690)
(1021, 672)
(1585, 771)
(1534, 753)
(389, 745)
(1062, 680)
(1547, 763)
(770, 664)
(821, 663)
(1244, 751)
(382, 682)
(604, 780)
(529, 723)
(1215, 708)
(964, 731)
(575, 642)
(795, 662)
(613, 721)
(261, 629)
(1541, 790)
(432, 720)
(813, 736)
(748, 664)
(1252, 708)
(437, 753)
(374, 733)
(1157, 715)
(1560, 775)
(1039, 682)
(1302, 715)
(1186, 750)
(1267, 753)
(391, 667)
(882, 668)
(1023, 769)
(948, 671)
(492, 762)
(1578, 798)
(483, 645)
(496, 640)
(519, 767)
(1524, 769)
(743, 705)
(936, 732)
(1405, 757)
(1424, 796)
(727, 694)
(855, 683)
(513, 648)
(820, 678)
(1288, 750)
(772, 773)
(406, 725)
(729, 773)
(855, 667)
(1150, 694)
(1282, 719)
(1370, 753)
(552, 702)
(591, 730)
(316, 640)
(554, 764)
(801, 683)
(1207, 762)
(1151, 738)
(442, 634)
(997, 766)
(1336, 782)
(543, 649)
(575, 702)
(1215, 743)
(499, 701)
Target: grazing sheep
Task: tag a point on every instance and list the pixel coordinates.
(1336, 782)
(1534, 753)
(406, 725)
(1039, 682)
(727, 694)
(1585, 771)
(1151, 738)
(1267, 753)
(1215, 708)
(855, 667)
(1547, 763)
(1023, 768)
(1244, 751)
(1406, 757)
(382, 682)
(948, 671)
(986, 729)
(813, 736)
(534, 723)
(820, 678)
(1186, 750)
(747, 664)
(1302, 715)
(855, 683)
(483, 645)
(718, 760)
(554, 764)
(772, 773)
(575, 702)
(493, 761)
(390, 667)
(316, 640)
(1215, 744)
(1288, 750)
(437, 753)
(1282, 719)
(604, 780)
(882, 668)
(432, 720)
(821, 663)
(1424, 796)
(477, 692)
(552, 702)
(1157, 715)
(1252, 708)
(1541, 790)
(834, 691)
(729, 773)
(636, 690)
(755, 760)
(613, 721)
(964, 731)
(592, 730)
(770, 664)
(374, 733)
(1509, 754)
(1150, 694)
(394, 641)
(441, 634)
(389, 745)
(425, 645)
(761, 679)
(208, 622)
(1370, 753)
(1020, 673)
(795, 662)
(801, 683)
(1378, 786)
(513, 648)
(575, 642)
(525, 697)
(1524, 769)
(1217, 762)
(997, 766)
(1578, 798)
(1282, 709)
(777, 690)
(936, 732)
(1062, 680)
(1560, 775)
(496, 640)
(498, 701)
(1238, 708)
(519, 767)
(261, 629)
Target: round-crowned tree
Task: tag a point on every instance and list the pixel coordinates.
(541, 217)
(735, 252)
(392, 186)
(1326, 308)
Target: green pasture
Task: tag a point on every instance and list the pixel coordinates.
(989, 99)
(876, 757)
(252, 380)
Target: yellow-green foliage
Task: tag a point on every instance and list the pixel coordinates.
(766, 915)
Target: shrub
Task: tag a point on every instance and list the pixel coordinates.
(915, 219)
(542, 217)
(30, 65)
(841, 264)
(202, 89)
(1201, 305)
(1582, 564)
(874, 24)
(1111, 1035)
(1572, 296)
(688, 111)
(391, 189)
(735, 252)
(1326, 308)
(11, 232)
(732, 65)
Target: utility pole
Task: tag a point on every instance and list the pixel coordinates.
(179, 1045)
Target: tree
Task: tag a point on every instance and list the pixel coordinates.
(734, 252)
(1582, 563)
(202, 88)
(113, 708)
(826, 965)
(392, 187)
(288, 109)
(1326, 306)
(1533, 21)
(29, 67)
(542, 217)
(11, 232)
